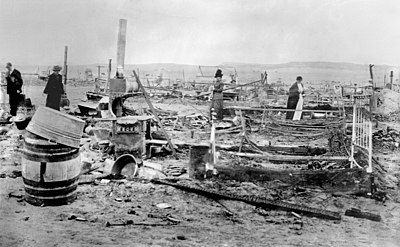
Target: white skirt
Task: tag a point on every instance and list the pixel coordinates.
(299, 108)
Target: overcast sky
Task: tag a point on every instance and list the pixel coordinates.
(34, 32)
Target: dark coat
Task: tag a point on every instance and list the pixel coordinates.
(54, 89)
(14, 86)
(294, 96)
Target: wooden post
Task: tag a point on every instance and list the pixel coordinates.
(108, 75)
(97, 86)
(109, 69)
(243, 134)
(353, 136)
(391, 79)
(153, 110)
(64, 100)
(266, 77)
(65, 66)
(373, 99)
(384, 80)
(264, 83)
(213, 154)
(98, 72)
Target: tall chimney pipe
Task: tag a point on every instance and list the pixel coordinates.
(121, 46)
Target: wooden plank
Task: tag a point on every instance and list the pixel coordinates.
(275, 157)
(153, 110)
(290, 150)
(277, 110)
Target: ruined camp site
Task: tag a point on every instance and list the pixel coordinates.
(132, 146)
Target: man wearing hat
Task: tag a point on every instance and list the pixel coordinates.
(295, 100)
(217, 100)
(54, 89)
(14, 87)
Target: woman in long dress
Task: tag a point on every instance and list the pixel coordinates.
(295, 100)
(218, 97)
(54, 89)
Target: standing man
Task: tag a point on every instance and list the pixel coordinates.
(217, 100)
(14, 87)
(295, 100)
(54, 89)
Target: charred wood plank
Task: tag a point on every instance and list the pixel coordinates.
(352, 180)
(357, 213)
(257, 201)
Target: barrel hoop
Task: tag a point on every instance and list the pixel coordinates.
(46, 193)
(41, 147)
(70, 136)
(38, 201)
(50, 185)
(54, 197)
(53, 157)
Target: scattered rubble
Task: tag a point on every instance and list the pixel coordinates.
(388, 102)
(267, 171)
(386, 139)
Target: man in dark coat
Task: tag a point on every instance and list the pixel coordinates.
(14, 88)
(54, 89)
(295, 100)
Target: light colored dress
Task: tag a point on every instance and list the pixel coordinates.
(299, 107)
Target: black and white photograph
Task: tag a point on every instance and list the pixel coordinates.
(194, 123)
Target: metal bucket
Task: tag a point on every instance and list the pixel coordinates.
(125, 165)
(57, 126)
(50, 171)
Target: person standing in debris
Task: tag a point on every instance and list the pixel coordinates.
(217, 100)
(54, 89)
(295, 100)
(14, 88)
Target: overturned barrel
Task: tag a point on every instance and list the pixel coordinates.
(50, 171)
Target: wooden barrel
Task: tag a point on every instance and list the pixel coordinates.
(50, 171)
(197, 168)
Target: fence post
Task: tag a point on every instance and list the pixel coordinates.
(353, 134)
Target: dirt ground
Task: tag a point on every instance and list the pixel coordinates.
(190, 219)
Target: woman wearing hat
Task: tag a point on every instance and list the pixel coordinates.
(295, 100)
(54, 89)
(217, 100)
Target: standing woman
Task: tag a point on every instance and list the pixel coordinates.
(54, 89)
(295, 100)
(218, 98)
